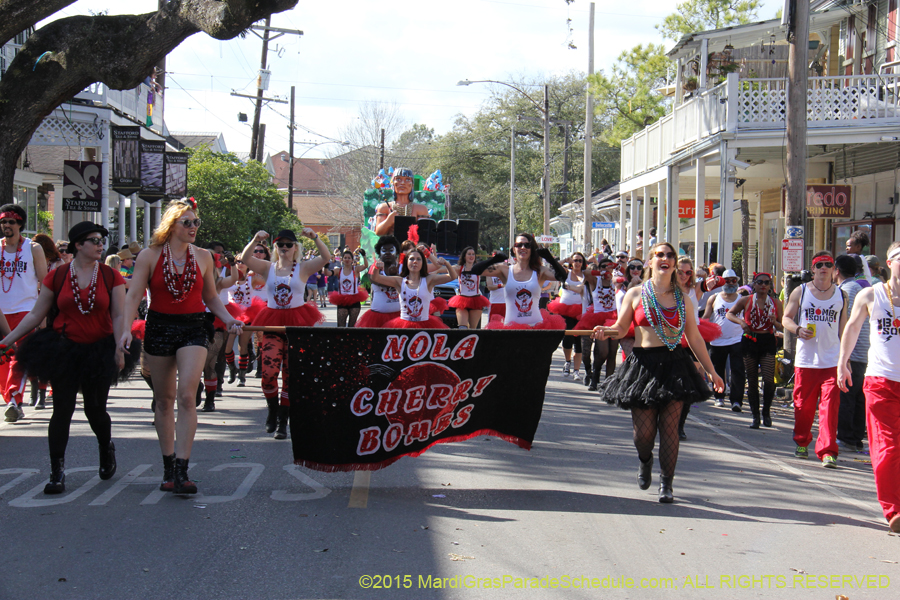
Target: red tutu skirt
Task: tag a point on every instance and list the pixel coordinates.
(566, 310)
(709, 331)
(590, 319)
(339, 299)
(437, 306)
(374, 319)
(497, 309)
(302, 316)
(249, 313)
(432, 323)
(478, 302)
(549, 322)
(234, 310)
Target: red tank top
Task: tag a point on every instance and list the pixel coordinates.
(162, 301)
(640, 319)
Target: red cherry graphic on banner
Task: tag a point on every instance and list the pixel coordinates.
(427, 374)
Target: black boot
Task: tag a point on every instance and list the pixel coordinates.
(107, 461)
(199, 393)
(666, 495)
(645, 473)
(57, 484)
(586, 361)
(220, 378)
(242, 377)
(34, 393)
(232, 373)
(210, 404)
(755, 412)
(42, 398)
(168, 482)
(272, 417)
(767, 413)
(282, 422)
(595, 378)
(183, 485)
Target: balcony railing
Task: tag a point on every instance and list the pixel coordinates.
(758, 104)
(132, 102)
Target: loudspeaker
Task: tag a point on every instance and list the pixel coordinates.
(401, 227)
(446, 237)
(427, 232)
(467, 234)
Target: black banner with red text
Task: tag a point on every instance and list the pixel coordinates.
(364, 398)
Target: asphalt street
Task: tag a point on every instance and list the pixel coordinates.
(477, 519)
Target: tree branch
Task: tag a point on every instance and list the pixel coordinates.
(19, 15)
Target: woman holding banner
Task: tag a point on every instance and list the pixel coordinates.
(415, 286)
(285, 307)
(659, 376)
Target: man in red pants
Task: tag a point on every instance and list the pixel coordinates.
(880, 304)
(816, 313)
(22, 268)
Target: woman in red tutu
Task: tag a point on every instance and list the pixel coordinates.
(601, 311)
(415, 286)
(468, 302)
(569, 305)
(350, 295)
(285, 288)
(385, 299)
(522, 282)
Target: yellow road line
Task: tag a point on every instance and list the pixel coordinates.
(359, 495)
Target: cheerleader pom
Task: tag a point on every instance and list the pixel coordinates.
(249, 314)
(137, 329)
(437, 306)
(339, 299)
(478, 302)
(431, 323)
(7, 353)
(709, 331)
(412, 234)
(372, 319)
(567, 310)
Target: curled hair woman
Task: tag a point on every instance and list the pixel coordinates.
(415, 286)
(659, 375)
(181, 280)
(350, 294)
(77, 351)
(468, 302)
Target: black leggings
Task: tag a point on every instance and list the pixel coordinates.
(94, 391)
(571, 341)
(759, 359)
(604, 353)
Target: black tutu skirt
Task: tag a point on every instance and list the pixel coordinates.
(50, 356)
(653, 377)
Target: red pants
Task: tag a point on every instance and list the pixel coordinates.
(809, 386)
(883, 421)
(12, 379)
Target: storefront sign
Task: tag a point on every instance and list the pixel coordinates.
(82, 187)
(828, 201)
(687, 209)
(792, 255)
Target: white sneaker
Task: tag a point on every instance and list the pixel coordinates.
(720, 403)
(576, 375)
(12, 413)
(566, 368)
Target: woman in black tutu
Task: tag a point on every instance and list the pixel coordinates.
(659, 376)
(83, 302)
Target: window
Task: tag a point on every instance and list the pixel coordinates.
(334, 240)
(26, 197)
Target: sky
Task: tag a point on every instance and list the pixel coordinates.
(407, 52)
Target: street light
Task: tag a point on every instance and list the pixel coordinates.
(545, 117)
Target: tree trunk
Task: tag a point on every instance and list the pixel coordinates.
(64, 57)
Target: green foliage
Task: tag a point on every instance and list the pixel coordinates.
(700, 15)
(235, 199)
(737, 262)
(44, 218)
(625, 95)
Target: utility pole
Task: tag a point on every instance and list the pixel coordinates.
(588, 142)
(254, 141)
(260, 148)
(512, 189)
(291, 168)
(382, 148)
(795, 203)
(546, 116)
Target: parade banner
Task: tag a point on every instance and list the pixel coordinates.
(362, 399)
(153, 170)
(126, 159)
(82, 187)
(176, 174)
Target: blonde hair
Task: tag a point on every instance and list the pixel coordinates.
(113, 261)
(298, 251)
(686, 260)
(648, 270)
(174, 212)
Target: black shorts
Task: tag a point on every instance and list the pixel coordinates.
(164, 334)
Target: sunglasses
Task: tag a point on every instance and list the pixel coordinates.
(635, 267)
(688, 273)
(763, 282)
(823, 265)
(97, 241)
(577, 260)
(285, 244)
(9, 222)
(666, 255)
(188, 223)
(259, 252)
(523, 245)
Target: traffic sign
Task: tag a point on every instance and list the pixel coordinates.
(792, 255)
(604, 224)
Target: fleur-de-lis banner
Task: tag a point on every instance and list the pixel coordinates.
(82, 185)
(362, 399)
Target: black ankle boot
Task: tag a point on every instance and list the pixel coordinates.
(57, 483)
(168, 482)
(34, 394)
(232, 373)
(272, 417)
(665, 489)
(210, 404)
(645, 473)
(282, 422)
(42, 399)
(183, 485)
(767, 419)
(107, 461)
(755, 423)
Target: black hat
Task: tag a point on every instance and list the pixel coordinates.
(285, 234)
(81, 231)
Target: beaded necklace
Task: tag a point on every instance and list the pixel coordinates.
(659, 317)
(179, 286)
(76, 291)
(9, 266)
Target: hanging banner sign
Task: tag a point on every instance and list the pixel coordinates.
(362, 399)
(153, 170)
(687, 209)
(82, 185)
(125, 176)
(176, 174)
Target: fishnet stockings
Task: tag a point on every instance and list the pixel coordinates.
(766, 366)
(647, 421)
(343, 314)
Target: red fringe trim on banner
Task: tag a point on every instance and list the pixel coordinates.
(328, 468)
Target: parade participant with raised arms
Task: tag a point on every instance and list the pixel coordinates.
(569, 306)
(759, 315)
(181, 280)
(350, 294)
(285, 307)
(240, 295)
(385, 298)
(602, 311)
(84, 300)
(416, 287)
(522, 282)
(260, 297)
(659, 376)
(816, 313)
(22, 268)
(468, 302)
(402, 205)
(879, 305)
(728, 345)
